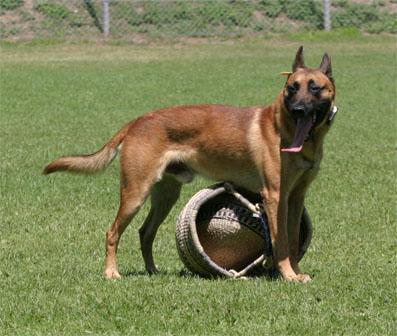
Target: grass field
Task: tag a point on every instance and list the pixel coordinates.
(64, 99)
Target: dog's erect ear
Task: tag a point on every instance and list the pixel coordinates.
(325, 66)
(299, 61)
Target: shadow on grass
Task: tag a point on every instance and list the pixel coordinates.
(185, 274)
(141, 272)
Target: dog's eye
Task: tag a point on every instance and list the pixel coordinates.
(314, 89)
(291, 89)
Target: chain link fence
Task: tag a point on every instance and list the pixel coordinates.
(138, 20)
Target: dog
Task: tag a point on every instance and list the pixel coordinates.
(274, 151)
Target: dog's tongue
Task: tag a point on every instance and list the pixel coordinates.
(302, 130)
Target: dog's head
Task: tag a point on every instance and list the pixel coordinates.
(308, 98)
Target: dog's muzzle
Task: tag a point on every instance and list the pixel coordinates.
(305, 122)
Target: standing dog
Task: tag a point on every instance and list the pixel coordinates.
(274, 150)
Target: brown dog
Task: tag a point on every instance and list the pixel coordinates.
(274, 150)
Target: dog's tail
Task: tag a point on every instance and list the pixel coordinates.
(92, 163)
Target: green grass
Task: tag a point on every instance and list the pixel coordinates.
(59, 99)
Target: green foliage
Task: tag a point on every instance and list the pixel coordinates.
(26, 15)
(227, 14)
(53, 11)
(272, 8)
(369, 17)
(188, 17)
(387, 24)
(173, 18)
(213, 12)
(340, 3)
(309, 11)
(380, 3)
(76, 21)
(10, 4)
(122, 11)
(356, 15)
(8, 32)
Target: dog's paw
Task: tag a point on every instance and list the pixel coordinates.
(112, 274)
(299, 278)
(152, 270)
(303, 278)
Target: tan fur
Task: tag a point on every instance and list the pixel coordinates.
(89, 163)
(165, 148)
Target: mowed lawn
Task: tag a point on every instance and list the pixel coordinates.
(69, 99)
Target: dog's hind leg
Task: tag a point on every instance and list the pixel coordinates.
(164, 195)
(130, 202)
(137, 181)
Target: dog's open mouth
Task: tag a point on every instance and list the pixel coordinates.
(303, 127)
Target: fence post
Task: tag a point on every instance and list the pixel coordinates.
(327, 15)
(106, 18)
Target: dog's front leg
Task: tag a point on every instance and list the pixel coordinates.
(276, 205)
(295, 210)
